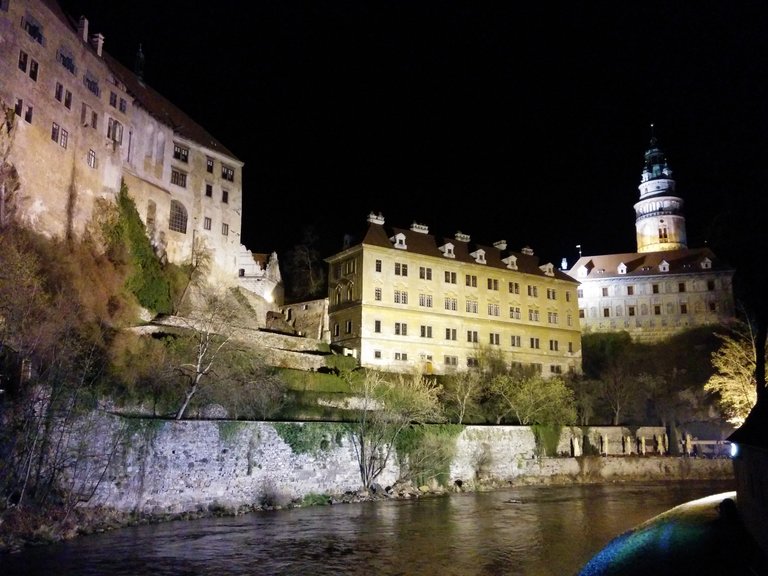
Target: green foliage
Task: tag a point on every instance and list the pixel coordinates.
(547, 438)
(426, 451)
(313, 499)
(229, 429)
(599, 349)
(128, 242)
(309, 437)
(313, 381)
(340, 362)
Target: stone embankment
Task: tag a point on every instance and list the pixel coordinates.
(137, 470)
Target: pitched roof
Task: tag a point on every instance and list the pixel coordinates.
(683, 261)
(429, 245)
(154, 103)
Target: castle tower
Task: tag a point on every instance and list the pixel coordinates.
(659, 219)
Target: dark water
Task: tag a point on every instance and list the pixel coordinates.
(532, 531)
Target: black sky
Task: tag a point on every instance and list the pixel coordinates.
(514, 121)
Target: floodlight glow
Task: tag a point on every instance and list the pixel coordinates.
(734, 450)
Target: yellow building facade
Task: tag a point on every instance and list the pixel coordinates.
(404, 299)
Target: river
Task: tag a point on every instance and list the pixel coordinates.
(530, 531)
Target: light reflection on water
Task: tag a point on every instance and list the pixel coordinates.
(530, 531)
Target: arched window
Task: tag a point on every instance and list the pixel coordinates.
(178, 219)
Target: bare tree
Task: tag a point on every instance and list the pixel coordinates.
(388, 404)
(305, 267)
(735, 365)
(462, 391)
(207, 336)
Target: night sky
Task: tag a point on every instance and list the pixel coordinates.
(509, 121)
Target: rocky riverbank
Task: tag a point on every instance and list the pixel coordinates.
(20, 528)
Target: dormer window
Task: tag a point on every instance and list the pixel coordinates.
(447, 250)
(582, 273)
(479, 256)
(511, 262)
(548, 269)
(706, 264)
(664, 266)
(398, 240)
(622, 269)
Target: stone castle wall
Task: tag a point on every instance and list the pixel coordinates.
(173, 467)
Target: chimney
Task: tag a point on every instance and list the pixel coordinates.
(527, 250)
(461, 237)
(82, 28)
(97, 41)
(501, 245)
(420, 228)
(374, 219)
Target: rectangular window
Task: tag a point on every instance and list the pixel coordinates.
(533, 291)
(515, 341)
(378, 265)
(579, 293)
(377, 354)
(472, 363)
(64, 139)
(710, 285)
(495, 339)
(533, 315)
(55, 132)
(123, 105)
(630, 290)
(58, 93)
(493, 310)
(425, 273)
(28, 114)
(552, 317)
(348, 327)
(206, 223)
(403, 356)
(225, 196)
(451, 361)
(377, 294)
(401, 297)
(553, 345)
(713, 306)
(551, 294)
(535, 343)
(33, 68)
(567, 296)
(606, 312)
(570, 347)
(23, 60)
(178, 178)
(336, 330)
(377, 326)
(681, 287)
(514, 288)
(401, 329)
(556, 369)
(657, 310)
(604, 291)
(581, 313)
(631, 310)
(115, 131)
(67, 99)
(401, 269)
(655, 288)
(19, 106)
(471, 280)
(181, 153)
(471, 306)
(91, 159)
(451, 304)
(225, 229)
(450, 333)
(683, 308)
(471, 335)
(113, 99)
(450, 277)
(209, 165)
(426, 331)
(514, 312)
(425, 300)
(228, 173)
(493, 284)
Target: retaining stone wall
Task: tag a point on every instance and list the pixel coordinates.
(172, 467)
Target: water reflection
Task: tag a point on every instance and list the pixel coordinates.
(531, 531)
